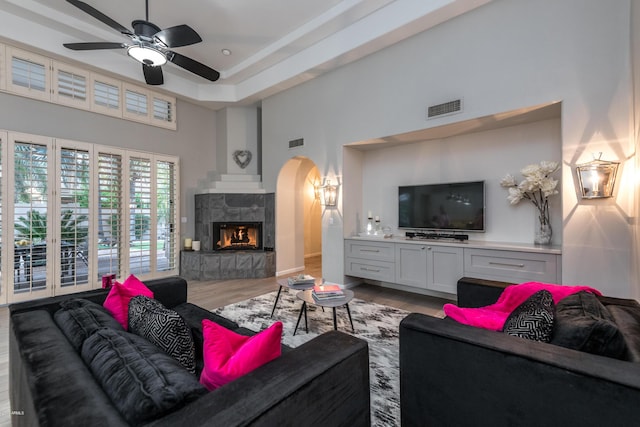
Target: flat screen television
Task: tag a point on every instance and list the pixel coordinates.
(451, 206)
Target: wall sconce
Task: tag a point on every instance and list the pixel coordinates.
(330, 194)
(597, 178)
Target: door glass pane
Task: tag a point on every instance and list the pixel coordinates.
(140, 215)
(166, 216)
(30, 216)
(109, 214)
(74, 221)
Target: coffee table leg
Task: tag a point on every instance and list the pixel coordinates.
(303, 308)
(350, 320)
(276, 301)
(335, 326)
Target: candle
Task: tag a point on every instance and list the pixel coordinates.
(369, 215)
(187, 243)
(377, 218)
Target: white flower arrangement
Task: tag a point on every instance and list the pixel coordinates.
(537, 186)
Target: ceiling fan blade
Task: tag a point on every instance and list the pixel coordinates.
(180, 35)
(193, 66)
(100, 16)
(152, 75)
(94, 46)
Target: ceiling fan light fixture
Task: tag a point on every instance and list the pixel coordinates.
(147, 55)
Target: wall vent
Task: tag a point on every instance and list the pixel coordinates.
(450, 107)
(296, 143)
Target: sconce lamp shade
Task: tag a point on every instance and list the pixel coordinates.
(330, 194)
(597, 178)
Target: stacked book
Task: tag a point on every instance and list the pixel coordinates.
(327, 292)
(302, 280)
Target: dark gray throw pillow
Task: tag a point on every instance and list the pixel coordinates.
(143, 382)
(533, 319)
(78, 318)
(163, 327)
(584, 323)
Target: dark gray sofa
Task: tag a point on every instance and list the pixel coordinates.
(456, 375)
(323, 382)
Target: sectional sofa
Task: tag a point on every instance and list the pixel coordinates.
(322, 382)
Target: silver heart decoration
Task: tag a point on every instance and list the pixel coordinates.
(242, 158)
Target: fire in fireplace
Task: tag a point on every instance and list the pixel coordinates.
(239, 236)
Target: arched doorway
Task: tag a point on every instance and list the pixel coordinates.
(298, 216)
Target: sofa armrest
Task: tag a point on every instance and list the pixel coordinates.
(323, 382)
(453, 374)
(474, 292)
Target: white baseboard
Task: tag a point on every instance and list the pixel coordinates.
(289, 271)
(315, 254)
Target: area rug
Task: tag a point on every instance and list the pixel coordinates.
(378, 324)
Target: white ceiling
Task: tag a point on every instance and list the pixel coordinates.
(275, 44)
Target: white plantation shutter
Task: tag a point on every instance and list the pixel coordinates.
(73, 198)
(110, 217)
(28, 74)
(166, 214)
(72, 85)
(106, 95)
(140, 235)
(136, 105)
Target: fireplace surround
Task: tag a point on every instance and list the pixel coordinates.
(243, 259)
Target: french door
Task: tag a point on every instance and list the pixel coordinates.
(79, 211)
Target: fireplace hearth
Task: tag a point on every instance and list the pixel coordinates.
(237, 236)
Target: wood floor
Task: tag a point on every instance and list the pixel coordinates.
(218, 293)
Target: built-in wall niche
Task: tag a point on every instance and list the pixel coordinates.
(483, 149)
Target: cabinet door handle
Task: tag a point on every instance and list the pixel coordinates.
(369, 269)
(504, 264)
(370, 250)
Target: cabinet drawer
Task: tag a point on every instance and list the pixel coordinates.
(366, 269)
(510, 266)
(370, 250)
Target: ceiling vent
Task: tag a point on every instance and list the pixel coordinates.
(444, 109)
(294, 143)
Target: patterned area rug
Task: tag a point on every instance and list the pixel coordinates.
(378, 324)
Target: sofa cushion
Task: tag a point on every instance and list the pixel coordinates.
(117, 301)
(627, 318)
(583, 323)
(163, 327)
(78, 318)
(228, 355)
(143, 382)
(533, 319)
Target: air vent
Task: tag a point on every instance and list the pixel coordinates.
(296, 143)
(439, 110)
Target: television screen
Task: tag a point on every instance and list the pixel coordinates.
(454, 206)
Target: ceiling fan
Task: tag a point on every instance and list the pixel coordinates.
(149, 45)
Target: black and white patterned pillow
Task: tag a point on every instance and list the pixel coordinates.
(533, 319)
(163, 327)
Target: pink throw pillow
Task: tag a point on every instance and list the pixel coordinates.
(228, 355)
(117, 301)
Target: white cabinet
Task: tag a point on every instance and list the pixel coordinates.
(425, 266)
(512, 266)
(370, 260)
(444, 267)
(435, 268)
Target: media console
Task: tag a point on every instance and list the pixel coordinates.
(433, 267)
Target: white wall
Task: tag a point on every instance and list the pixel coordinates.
(483, 156)
(500, 57)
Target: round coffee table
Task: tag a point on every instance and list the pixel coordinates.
(307, 298)
(284, 283)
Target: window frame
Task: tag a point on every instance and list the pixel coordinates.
(11, 53)
(65, 100)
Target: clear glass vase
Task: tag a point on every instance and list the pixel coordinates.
(543, 233)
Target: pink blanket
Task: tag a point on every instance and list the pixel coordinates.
(493, 316)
